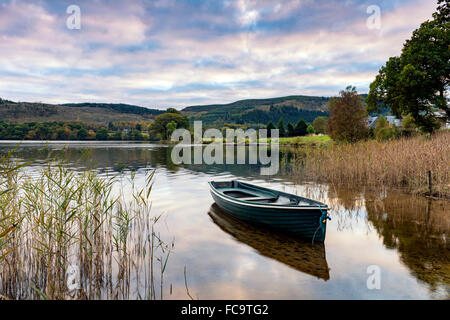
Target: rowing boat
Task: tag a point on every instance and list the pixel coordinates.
(292, 214)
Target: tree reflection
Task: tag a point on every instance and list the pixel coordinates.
(418, 228)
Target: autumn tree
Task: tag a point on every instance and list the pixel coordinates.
(347, 117)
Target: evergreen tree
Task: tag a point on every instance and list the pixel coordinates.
(300, 128)
(282, 131)
(270, 127)
(291, 130)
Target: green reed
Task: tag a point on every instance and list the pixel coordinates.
(71, 235)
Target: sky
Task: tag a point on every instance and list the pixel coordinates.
(175, 53)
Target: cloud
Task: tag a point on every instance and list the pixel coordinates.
(177, 53)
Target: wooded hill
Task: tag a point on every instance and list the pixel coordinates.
(249, 112)
(97, 113)
(261, 111)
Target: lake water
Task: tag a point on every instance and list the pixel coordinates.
(403, 237)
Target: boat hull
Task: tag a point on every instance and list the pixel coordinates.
(299, 222)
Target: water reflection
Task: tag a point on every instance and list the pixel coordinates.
(300, 255)
(418, 229)
(406, 236)
(117, 156)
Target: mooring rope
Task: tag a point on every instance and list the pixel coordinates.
(323, 217)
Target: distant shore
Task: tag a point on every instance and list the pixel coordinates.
(288, 141)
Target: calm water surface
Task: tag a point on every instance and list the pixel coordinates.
(406, 236)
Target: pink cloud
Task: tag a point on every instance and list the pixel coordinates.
(94, 66)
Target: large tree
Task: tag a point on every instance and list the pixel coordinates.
(347, 117)
(159, 126)
(417, 81)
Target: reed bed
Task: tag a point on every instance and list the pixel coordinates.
(403, 163)
(71, 235)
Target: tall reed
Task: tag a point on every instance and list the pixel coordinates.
(72, 235)
(402, 163)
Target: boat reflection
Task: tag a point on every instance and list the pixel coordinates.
(297, 254)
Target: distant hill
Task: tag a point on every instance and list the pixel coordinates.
(98, 113)
(120, 107)
(252, 112)
(261, 111)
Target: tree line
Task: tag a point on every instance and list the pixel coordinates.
(60, 130)
(159, 129)
(302, 128)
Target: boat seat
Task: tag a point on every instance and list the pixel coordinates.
(226, 189)
(258, 198)
(247, 195)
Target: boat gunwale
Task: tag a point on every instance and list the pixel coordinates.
(319, 206)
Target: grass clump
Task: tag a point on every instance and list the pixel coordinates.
(72, 235)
